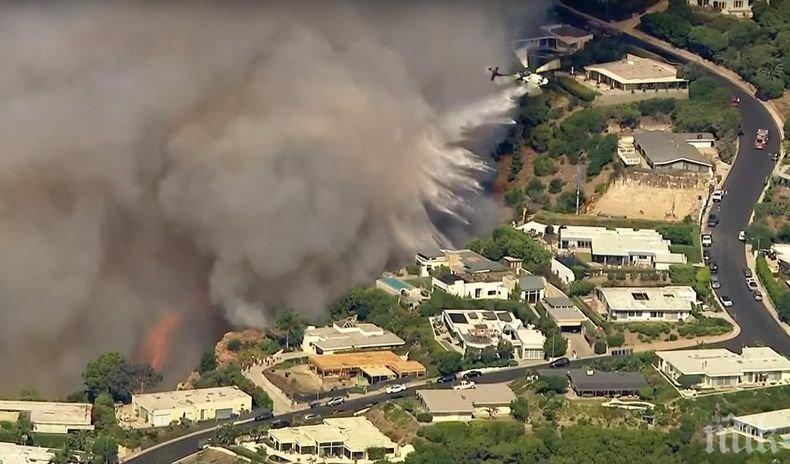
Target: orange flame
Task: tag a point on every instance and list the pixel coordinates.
(156, 346)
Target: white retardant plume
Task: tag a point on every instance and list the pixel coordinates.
(232, 160)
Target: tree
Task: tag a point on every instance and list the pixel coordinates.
(130, 378)
(540, 136)
(63, 455)
(519, 409)
(552, 383)
(514, 196)
(581, 287)
(504, 350)
(23, 430)
(616, 339)
(535, 186)
(226, 435)
(544, 166)
(449, 362)
(104, 450)
(104, 411)
(234, 344)
(208, 361)
(760, 234)
(290, 328)
(599, 346)
(100, 371)
(555, 344)
(268, 346)
(566, 202)
(706, 41)
(556, 184)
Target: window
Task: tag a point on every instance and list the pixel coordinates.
(640, 296)
(738, 4)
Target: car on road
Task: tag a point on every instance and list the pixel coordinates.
(280, 423)
(397, 388)
(761, 139)
(714, 268)
(735, 101)
(315, 404)
(707, 240)
(714, 282)
(335, 401)
(751, 283)
(757, 295)
(713, 220)
(464, 385)
(266, 414)
(446, 378)
(717, 195)
(725, 301)
(775, 157)
(310, 416)
(472, 374)
(742, 235)
(706, 255)
(747, 272)
(560, 362)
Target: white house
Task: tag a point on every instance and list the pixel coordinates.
(742, 8)
(620, 247)
(625, 304)
(721, 368)
(163, 408)
(635, 73)
(565, 314)
(349, 335)
(50, 417)
(483, 401)
(533, 288)
(471, 275)
(762, 425)
(477, 330)
(17, 454)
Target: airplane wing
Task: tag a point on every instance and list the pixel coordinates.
(521, 54)
(550, 66)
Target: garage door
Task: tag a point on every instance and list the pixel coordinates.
(224, 413)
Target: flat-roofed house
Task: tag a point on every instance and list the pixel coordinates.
(557, 38)
(742, 8)
(163, 408)
(721, 368)
(484, 400)
(673, 303)
(620, 247)
(591, 382)
(476, 330)
(635, 73)
(344, 437)
(11, 453)
(668, 151)
(471, 275)
(564, 313)
(347, 336)
(763, 425)
(533, 288)
(51, 417)
(376, 366)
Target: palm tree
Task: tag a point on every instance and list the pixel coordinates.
(23, 430)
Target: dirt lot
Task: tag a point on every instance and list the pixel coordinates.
(645, 202)
(394, 422)
(301, 380)
(211, 457)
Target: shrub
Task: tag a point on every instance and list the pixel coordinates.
(234, 344)
(424, 417)
(544, 166)
(514, 196)
(673, 337)
(556, 383)
(616, 339)
(413, 269)
(556, 184)
(519, 409)
(576, 88)
(600, 346)
(581, 287)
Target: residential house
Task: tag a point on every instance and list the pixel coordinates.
(670, 151)
(533, 288)
(742, 8)
(482, 401)
(565, 314)
(346, 336)
(477, 330)
(49, 417)
(620, 247)
(470, 274)
(375, 366)
(624, 304)
(635, 73)
(590, 382)
(556, 38)
(721, 368)
(11, 453)
(163, 408)
(763, 425)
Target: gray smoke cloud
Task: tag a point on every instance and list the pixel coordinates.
(225, 160)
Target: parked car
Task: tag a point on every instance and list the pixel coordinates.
(775, 157)
(472, 374)
(747, 272)
(757, 295)
(706, 255)
(713, 220)
(717, 195)
(398, 387)
(725, 301)
(335, 401)
(751, 283)
(446, 378)
(714, 268)
(560, 362)
(315, 404)
(742, 235)
(310, 416)
(280, 423)
(707, 240)
(464, 385)
(266, 414)
(714, 282)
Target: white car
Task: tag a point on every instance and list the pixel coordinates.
(717, 195)
(464, 385)
(336, 401)
(751, 283)
(742, 236)
(707, 240)
(397, 388)
(725, 301)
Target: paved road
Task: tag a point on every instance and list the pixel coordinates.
(744, 185)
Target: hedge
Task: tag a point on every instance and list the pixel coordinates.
(576, 89)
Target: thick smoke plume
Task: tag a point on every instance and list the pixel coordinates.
(186, 162)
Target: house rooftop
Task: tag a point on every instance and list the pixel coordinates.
(566, 32)
(767, 421)
(661, 147)
(367, 359)
(623, 241)
(182, 398)
(45, 412)
(17, 454)
(532, 283)
(473, 262)
(637, 70)
(355, 433)
(672, 298)
(350, 335)
(721, 362)
(559, 302)
(465, 401)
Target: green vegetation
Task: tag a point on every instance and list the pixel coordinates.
(616, 10)
(771, 218)
(507, 241)
(230, 375)
(113, 374)
(704, 326)
(778, 292)
(576, 88)
(758, 49)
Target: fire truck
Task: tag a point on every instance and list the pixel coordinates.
(761, 140)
